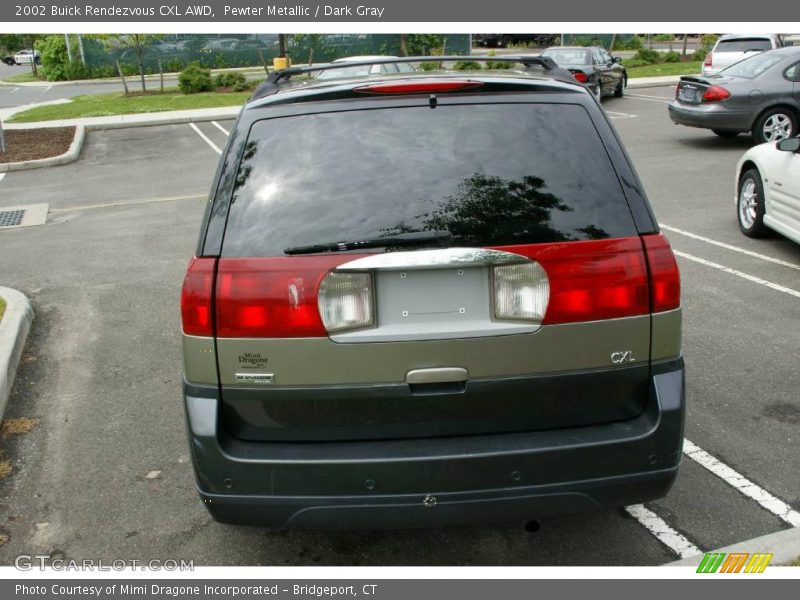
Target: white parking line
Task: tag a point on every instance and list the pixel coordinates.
(221, 128)
(619, 115)
(777, 507)
(205, 138)
(663, 532)
(14, 91)
(700, 238)
(774, 286)
(1, 176)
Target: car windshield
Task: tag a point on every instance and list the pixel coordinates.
(743, 45)
(489, 175)
(569, 56)
(752, 67)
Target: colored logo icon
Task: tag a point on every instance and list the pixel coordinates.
(734, 562)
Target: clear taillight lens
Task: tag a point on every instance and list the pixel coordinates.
(345, 301)
(521, 292)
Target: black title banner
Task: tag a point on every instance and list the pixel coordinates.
(393, 11)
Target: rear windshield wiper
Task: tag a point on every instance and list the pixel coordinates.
(403, 239)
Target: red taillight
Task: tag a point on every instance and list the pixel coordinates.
(417, 87)
(580, 76)
(196, 297)
(272, 297)
(592, 280)
(708, 60)
(665, 279)
(716, 93)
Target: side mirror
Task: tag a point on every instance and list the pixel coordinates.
(789, 144)
(616, 59)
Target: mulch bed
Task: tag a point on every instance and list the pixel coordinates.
(30, 144)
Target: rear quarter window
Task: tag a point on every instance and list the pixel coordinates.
(490, 174)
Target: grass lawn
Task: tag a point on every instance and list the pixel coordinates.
(23, 77)
(679, 68)
(103, 105)
(2, 308)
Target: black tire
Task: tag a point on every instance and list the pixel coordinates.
(751, 218)
(619, 91)
(777, 113)
(725, 134)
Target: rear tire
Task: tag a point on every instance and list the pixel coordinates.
(619, 92)
(774, 125)
(725, 134)
(750, 204)
(598, 91)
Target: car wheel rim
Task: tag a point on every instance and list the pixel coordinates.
(598, 92)
(748, 203)
(777, 127)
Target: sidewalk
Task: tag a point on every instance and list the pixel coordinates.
(129, 78)
(136, 120)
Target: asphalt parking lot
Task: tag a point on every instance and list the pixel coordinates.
(106, 474)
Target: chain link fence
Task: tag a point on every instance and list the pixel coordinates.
(175, 52)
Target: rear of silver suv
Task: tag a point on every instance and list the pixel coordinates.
(429, 300)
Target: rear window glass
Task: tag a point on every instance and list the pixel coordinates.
(743, 45)
(752, 67)
(490, 174)
(570, 56)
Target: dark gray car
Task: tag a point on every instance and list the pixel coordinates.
(760, 94)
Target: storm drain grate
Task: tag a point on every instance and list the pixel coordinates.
(11, 218)
(23, 215)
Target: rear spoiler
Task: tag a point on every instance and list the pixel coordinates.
(547, 64)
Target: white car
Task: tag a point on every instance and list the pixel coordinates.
(365, 70)
(732, 48)
(26, 57)
(768, 189)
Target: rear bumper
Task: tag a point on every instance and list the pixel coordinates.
(439, 481)
(710, 116)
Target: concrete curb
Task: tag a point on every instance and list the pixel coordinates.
(633, 84)
(14, 330)
(785, 545)
(69, 156)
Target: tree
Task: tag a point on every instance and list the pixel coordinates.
(137, 42)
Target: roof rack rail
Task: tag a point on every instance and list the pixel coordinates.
(271, 85)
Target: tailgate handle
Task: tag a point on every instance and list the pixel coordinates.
(438, 375)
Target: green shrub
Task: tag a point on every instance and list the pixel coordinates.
(53, 51)
(663, 37)
(672, 57)
(229, 79)
(647, 55)
(707, 41)
(428, 66)
(635, 43)
(497, 66)
(194, 79)
(632, 63)
(467, 65)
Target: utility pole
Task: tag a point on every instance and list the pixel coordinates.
(80, 47)
(69, 50)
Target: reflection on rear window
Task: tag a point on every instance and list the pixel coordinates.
(492, 174)
(754, 66)
(743, 45)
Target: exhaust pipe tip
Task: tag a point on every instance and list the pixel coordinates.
(532, 526)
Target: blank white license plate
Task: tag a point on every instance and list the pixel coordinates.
(687, 95)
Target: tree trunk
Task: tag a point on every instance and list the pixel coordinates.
(403, 44)
(141, 70)
(161, 74)
(282, 45)
(685, 42)
(122, 76)
(613, 39)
